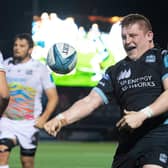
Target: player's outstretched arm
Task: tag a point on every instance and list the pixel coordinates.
(52, 102)
(77, 111)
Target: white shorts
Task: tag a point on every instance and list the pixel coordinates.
(23, 131)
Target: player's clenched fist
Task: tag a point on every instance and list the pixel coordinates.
(53, 126)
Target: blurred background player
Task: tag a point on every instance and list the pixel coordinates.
(102, 53)
(27, 80)
(115, 42)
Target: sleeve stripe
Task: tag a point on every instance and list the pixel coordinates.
(101, 94)
(166, 122)
(165, 76)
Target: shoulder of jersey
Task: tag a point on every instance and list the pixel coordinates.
(7, 60)
(37, 63)
(164, 52)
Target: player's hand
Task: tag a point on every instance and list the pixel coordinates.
(52, 127)
(39, 123)
(131, 120)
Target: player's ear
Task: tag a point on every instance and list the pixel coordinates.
(30, 51)
(150, 35)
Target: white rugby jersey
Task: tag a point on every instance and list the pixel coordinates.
(1, 57)
(26, 82)
(2, 68)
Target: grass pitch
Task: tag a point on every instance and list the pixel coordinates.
(53, 154)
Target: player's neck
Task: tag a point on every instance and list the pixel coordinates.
(21, 61)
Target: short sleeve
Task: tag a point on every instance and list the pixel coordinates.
(2, 67)
(46, 77)
(1, 57)
(164, 67)
(105, 86)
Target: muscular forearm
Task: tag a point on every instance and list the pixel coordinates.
(160, 105)
(52, 102)
(82, 108)
(132, 119)
(50, 108)
(77, 111)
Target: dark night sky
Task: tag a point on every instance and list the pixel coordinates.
(16, 15)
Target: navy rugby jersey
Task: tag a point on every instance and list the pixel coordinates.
(136, 84)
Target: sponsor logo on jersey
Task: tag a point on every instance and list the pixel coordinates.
(150, 58)
(106, 76)
(124, 74)
(29, 72)
(140, 82)
(9, 70)
(163, 157)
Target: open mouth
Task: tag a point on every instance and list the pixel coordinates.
(129, 48)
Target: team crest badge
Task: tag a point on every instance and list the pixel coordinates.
(150, 58)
